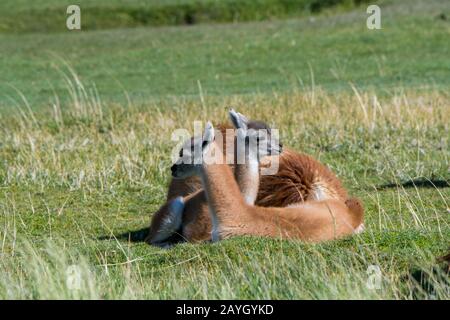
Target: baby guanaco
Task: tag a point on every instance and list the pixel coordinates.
(231, 215)
(185, 214)
(300, 178)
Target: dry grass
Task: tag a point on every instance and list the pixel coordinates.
(75, 172)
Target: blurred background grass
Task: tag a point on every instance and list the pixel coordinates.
(329, 50)
(47, 15)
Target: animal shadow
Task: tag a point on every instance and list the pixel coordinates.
(417, 183)
(426, 281)
(130, 236)
(138, 236)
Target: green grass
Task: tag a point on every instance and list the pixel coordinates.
(50, 16)
(85, 152)
(76, 184)
(151, 63)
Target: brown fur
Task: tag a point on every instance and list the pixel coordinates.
(297, 180)
(312, 221)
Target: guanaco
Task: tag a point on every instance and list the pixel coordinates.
(300, 178)
(185, 215)
(312, 221)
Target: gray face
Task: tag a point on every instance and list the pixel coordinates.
(257, 136)
(192, 154)
(259, 142)
(190, 159)
(259, 139)
(270, 139)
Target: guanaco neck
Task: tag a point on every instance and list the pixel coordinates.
(247, 177)
(222, 193)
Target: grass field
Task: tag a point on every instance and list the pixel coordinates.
(20, 16)
(85, 125)
(149, 63)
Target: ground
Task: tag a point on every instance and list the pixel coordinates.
(85, 142)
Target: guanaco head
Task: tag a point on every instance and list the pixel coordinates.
(255, 138)
(193, 154)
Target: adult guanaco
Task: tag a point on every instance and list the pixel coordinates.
(231, 215)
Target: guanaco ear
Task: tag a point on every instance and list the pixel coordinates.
(208, 136)
(239, 120)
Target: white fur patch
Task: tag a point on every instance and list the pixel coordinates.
(319, 193)
(215, 233)
(215, 236)
(253, 174)
(299, 204)
(360, 229)
(249, 199)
